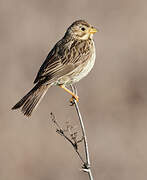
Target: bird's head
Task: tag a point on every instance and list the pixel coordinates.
(81, 30)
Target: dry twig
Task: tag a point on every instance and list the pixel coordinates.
(72, 137)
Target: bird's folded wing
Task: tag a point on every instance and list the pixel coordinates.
(60, 62)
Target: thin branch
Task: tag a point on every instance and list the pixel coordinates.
(60, 131)
(83, 129)
(86, 167)
(73, 141)
(73, 144)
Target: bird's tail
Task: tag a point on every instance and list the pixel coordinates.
(30, 101)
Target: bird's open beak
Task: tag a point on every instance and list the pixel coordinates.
(93, 30)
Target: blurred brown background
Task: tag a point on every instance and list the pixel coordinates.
(113, 98)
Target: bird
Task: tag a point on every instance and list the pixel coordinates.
(69, 61)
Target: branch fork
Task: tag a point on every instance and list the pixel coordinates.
(72, 137)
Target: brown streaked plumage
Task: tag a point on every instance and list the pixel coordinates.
(70, 60)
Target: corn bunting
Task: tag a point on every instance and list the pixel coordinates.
(71, 59)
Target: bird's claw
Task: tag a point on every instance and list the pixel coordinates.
(72, 100)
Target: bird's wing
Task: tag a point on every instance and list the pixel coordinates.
(63, 59)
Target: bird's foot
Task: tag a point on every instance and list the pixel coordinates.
(74, 98)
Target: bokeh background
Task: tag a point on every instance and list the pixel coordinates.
(113, 98)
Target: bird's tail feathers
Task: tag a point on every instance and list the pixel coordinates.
(30, 101)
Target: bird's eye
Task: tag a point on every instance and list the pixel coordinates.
(83, 29)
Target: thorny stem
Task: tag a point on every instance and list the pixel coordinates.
(86, 167)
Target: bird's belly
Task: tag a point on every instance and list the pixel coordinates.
(88, 67)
